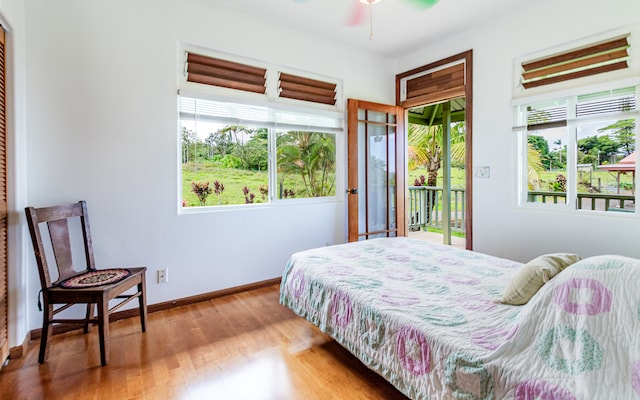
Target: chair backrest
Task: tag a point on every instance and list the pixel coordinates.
(56, 218)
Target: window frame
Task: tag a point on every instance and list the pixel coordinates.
(571, 95)
(273, 130)
(630, 31)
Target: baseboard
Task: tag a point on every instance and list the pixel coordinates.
(166, 305)
(205, 297)
(19, 351)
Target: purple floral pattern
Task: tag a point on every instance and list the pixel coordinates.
(541, 390)
(600, 296)
(413, 351)
(427, 318)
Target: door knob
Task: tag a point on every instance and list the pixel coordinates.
(352, 191)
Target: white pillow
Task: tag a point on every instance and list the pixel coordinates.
(534, 274)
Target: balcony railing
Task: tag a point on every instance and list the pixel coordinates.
(425, 208)
(425, 205)
(588, 201)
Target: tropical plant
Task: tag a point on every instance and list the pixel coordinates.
(264, 191)
(248, 196)
(595, 149)
(534, 167)
(310, 155)
(425, 148)
(420, 181)
(559, 184)
(240, 137)
(202, 191)
(218, 188)
(189, 138)
(623, 130)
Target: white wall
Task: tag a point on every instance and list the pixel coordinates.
(101, 88)
(500, 227)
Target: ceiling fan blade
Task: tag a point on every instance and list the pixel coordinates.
(424, 3)
(356, 17)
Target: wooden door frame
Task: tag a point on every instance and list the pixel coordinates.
(467, 58)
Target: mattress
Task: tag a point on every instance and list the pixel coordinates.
(427, 318)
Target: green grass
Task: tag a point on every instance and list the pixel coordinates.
(457, 177)
(234, 180)
(608, 182)
(440, 231)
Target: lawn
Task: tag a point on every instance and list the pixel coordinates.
(601, 181)
(457, 177)
(234, 180)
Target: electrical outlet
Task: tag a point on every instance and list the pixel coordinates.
(163, 275)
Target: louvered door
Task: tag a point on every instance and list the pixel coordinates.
(4, 296)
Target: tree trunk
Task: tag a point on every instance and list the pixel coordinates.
(432, 180)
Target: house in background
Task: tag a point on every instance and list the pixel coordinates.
(93, 115)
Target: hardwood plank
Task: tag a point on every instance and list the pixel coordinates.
(240, 346)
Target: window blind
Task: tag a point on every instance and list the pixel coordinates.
(223, 73)
(300, 88)
(594, 59)
(251, 115)
(606, 102)
(620, 103)
(546, 116)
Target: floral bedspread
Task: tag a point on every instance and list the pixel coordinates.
(426, 318)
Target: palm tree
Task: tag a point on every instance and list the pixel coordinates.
(425, 150)
(312, 156)
(534, 167)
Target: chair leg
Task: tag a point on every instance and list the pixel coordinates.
(47, 331)
(89, 317)
(142, 300)
(103, 329)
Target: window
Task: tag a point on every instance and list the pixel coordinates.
(578, 151)
(235, 153)
(595, 58)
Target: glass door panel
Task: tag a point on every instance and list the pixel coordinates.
(373, 172)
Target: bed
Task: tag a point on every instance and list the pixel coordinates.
(428, 318)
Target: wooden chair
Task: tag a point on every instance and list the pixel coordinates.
(88, 286)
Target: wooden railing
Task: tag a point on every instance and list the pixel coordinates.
(594, 201)
(425, 208)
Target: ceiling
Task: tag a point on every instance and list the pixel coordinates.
(399, 26)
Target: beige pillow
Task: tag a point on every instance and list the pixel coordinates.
(530, 278)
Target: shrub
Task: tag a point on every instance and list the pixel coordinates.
(559, 185)
(202, 190)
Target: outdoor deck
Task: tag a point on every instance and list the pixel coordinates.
(437, 238)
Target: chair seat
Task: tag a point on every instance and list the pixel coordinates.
(95, 278)
(57, 294)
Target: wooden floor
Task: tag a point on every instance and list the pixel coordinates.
(243, 346)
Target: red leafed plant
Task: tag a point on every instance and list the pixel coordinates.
(420, 182)
(202, 190)
(248, 196)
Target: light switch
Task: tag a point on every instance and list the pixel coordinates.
(481, 172)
